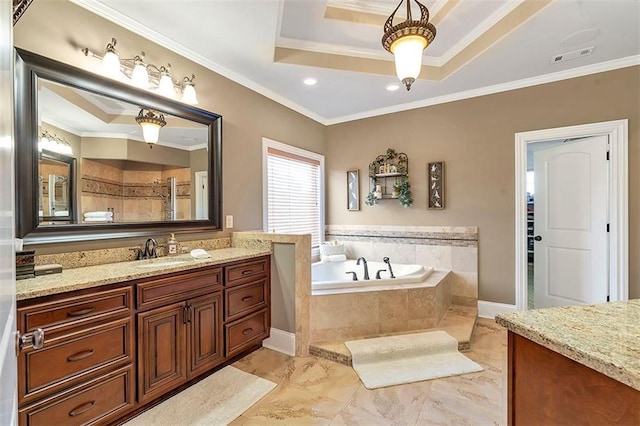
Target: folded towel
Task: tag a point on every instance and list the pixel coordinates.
(99, 214)
(334, 258)
(61, 213)
(98, 219)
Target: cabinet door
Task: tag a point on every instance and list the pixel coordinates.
(161, 351)
(205, 333)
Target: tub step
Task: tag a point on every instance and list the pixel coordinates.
(458, 321)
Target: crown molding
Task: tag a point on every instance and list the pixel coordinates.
(136, 27)
(498, 88)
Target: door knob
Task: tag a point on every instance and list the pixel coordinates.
(537, 238)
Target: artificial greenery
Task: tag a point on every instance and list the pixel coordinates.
(400, 162)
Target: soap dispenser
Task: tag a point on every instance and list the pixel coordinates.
(172, 246)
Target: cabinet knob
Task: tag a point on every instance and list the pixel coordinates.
(537, 238)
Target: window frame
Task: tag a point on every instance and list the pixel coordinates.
(269, 143)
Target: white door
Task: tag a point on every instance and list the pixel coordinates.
(570, 224)
(8, 381)
(202, 195)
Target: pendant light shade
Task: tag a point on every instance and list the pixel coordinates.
(140, 75)
(407, 40)
(151, 123)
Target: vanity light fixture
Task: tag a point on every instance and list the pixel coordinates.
(146, 76)
(54, 143)
(407, 40)
(151, 123)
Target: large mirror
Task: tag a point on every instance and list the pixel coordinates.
(84, 170)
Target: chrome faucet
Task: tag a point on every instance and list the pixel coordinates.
(150, 247)
(388, 262)
(366, 268)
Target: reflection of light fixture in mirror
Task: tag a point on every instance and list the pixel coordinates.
(151, 124)
(54, 143)
(407, 40)
(141, 74)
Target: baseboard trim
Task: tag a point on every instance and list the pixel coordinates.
(491, 309)
(281, 341)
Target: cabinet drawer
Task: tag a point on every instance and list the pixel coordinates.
(241, 300)
(75, 311)
(101, 400)
(71, 358)
(246, 271)
(246, 332)
(176, 288)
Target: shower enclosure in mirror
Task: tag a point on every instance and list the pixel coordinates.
(121, 178)
(110, 182)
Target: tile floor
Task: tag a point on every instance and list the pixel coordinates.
(318, 391)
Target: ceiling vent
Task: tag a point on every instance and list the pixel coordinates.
(572, 55)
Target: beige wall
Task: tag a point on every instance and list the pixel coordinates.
(475, 138)
(59, 29)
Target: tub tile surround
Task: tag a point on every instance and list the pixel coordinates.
(452, 249)
(447, 300)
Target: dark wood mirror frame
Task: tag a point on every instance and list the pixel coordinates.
(29, 67)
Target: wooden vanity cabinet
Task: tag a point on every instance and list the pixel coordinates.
(180, 325)
(182, 340)
(247, 298)
(84, 371)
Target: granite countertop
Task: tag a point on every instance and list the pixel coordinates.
(110, 273)
(604, 337)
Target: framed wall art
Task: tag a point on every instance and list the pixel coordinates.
(353, 190)
(435, 173)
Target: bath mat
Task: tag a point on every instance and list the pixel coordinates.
(408, 358)
(217, 400)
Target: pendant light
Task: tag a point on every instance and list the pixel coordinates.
(151, 123)
(407, 40)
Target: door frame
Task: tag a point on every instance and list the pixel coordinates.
(617, 131)
(198, 177)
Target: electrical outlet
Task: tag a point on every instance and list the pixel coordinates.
(229, 221)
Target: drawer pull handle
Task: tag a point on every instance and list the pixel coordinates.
(80, 312)
(247, 272)
(81, 409)
(247, 331)
(247, 298)
(80, 356)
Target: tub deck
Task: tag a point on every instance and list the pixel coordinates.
(459, 321)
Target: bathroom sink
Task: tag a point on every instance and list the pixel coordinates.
(161, 264)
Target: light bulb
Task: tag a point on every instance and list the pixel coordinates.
(165, 88)
(408, 57)
(140, 76)
(189, 95)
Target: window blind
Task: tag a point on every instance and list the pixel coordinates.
(293, 194)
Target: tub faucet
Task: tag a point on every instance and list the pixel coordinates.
(378, 277)
(386, 260)
(353, 276)
(366, 268)
(150, 247)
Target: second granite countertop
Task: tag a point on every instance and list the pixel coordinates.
(111, 273)
(604, 337)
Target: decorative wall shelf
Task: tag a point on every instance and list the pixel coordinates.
(389, 179)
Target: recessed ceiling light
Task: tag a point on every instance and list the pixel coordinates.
(310, 81)
(392, 87)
